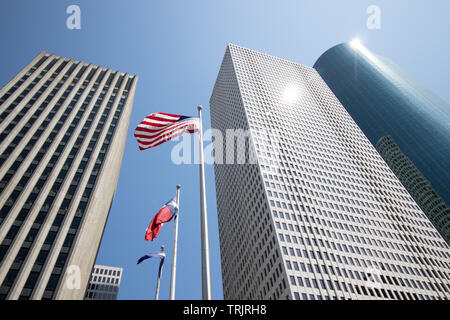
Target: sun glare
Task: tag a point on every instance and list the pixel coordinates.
(356, 44)
(290, 94)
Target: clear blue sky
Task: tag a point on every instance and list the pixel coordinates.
(176, 48)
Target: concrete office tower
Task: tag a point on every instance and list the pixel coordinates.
(63, 125)
(319, 215)
(385, 101)
(104, 283)
(417, 185)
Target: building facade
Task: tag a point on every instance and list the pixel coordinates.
(416, 184)
(318, 214)
(104, 283)
(63, 125)
(385, 101)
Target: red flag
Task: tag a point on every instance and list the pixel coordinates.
(166, 214)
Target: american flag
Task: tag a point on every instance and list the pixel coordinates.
(160, 127)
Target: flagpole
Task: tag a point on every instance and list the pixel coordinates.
(175, 245)
(159, 275)
(206, 276)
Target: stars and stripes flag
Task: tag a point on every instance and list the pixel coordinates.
(160, 127)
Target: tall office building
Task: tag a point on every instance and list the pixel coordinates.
(417, 185)
(319, 214)
(104, 283)
(385, 101)
(63, 126)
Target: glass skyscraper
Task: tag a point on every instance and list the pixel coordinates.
(385, 101)
(417, 185)
(63, 127)
(318, 214)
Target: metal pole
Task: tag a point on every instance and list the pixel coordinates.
(175, 244)
(159, 276)
(206, 276)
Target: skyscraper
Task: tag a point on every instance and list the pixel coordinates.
(63, 126)
(104, 283)
(417, 185)
(385, 101)
(319, 214)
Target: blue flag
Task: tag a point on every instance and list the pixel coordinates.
(161, 255)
